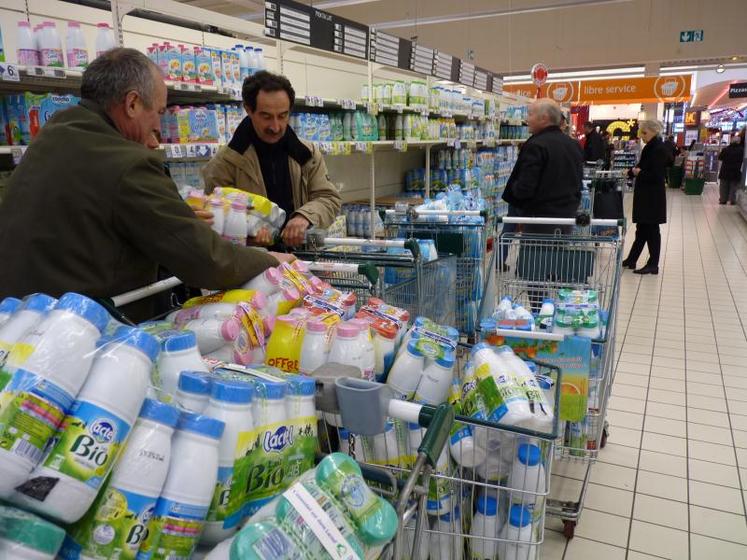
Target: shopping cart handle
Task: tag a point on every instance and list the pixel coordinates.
(439, 421)
(412, 245)
(580, 220)
(370, 272)
(142, 293)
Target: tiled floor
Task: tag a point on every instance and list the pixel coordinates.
(672, 481)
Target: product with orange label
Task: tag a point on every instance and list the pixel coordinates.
(388, 325)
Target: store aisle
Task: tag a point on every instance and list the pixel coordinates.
(672, 481)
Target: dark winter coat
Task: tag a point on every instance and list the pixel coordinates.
(650, 197)
(594, 147)
(731, 158)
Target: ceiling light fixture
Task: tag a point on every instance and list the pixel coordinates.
(735, 58)
(720, 69)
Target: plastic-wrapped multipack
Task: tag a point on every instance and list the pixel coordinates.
(24, 536)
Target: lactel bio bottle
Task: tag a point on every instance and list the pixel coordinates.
(178, 353)
(193, 391)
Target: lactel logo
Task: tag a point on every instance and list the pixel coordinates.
(103, 431)
(276, 442)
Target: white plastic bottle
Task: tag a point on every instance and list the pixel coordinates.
(27, 52)
(268, 282)
(190, 484)
(7, 307)
(285, 296)
(464, 449)
(259, 59)
(231, 403)
(104, 39)
(300, 401)
(406, 552)
(447, 542)
(193, 391)
(345, 347)
(485, 523)
(95, 429)
(51, 46)
(406, 372)
(542, 411)
(384, 344)
(77, 52)
(386, 449)
(119, 518)
(178, 353)
(219, 215)
(518, 528)
(528, 479)
(24, 536)
(365, 343)
(63, 351)
(213, 334)
(236, 229)
(314, 349)
(347, 126)
(435, 382)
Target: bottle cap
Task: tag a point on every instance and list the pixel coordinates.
(175, 341)
(103, 26)
(301, 386)
(270, 390)
(230, 329)
(300, 266)
(195, 382)
(86, 308)
(10, 305)
(290, 293)
(480, 346)
(199, 424)
(143, 341)
(259, 300)
(273, 276)
(38, 302)
(30, 531)
(238, 205)
(446, 517)
(160, 412)
(412, 349)
(231, 391)
(316, 326)
(487, 505)
(529, 454)
(346, 330)
(519, 516)
(446, 361)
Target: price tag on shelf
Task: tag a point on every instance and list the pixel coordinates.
(450, 142)
(399, 108)
(9, 72)
(425, 111)
(400, 145)
(347, 104)
(373, 109)
(345, 148)
(16, 152)
(43, 71)
(490, 142)
(363, 147)
(180, 150)
(314, 101)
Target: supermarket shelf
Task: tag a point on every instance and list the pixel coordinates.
(201, 151)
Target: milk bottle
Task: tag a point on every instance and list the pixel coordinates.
(267, 282)
(77, 52)
(485, 526)
(445, 546)
(219, 215)
(259, 59)
(104, 39)
(178, 353)
(366, 349)
(193, 391)
(212, 334)
(235, 229)
(528, 479)
(118, 520)
(314, 351)
(435, 382)
(180, 512)
(231, 403)
(7, 307)
(462, 445)
(95, 429)
(542, 417)
(406, 371)
(51, 46)
(27, 53)
(518, 527)
(63, 350)
(345, 348)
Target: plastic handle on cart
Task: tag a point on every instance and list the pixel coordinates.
(578, 220)
(437, 433)
(414, 247)
(142, 293)
(417, 213)
(365, 269)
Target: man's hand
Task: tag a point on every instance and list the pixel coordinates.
(293, 233)
(636, 171)
(205, 215)
(283, 257)
(263, 237)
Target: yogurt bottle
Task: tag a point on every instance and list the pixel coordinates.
(406, 371)
(528, 479)
(236, 229)
(118, 519)
(384, 344)
(7, 307)
(268, 282)
(24, 536)
(213, 334)
(282, 301)
(219, 215)
(178, 353)
(447, 542)
(345, 347)
(63, 350)
(95, 429)
(462, 445)
(180, 512)
(435, 382)
(366, 348)
(314, 349)
(518, 528)
(193, 391)
(300, 401)
(231, 403)
(485, 526)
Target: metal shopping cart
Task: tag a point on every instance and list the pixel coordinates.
(543, 257)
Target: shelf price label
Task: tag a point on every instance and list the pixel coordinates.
(363, 147)
(9, 72)
(314, 101)
(43, 71)
(400, 145)
(373, 109)
(16, 152)
(348, 104)
(425, 112)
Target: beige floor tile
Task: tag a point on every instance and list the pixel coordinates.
(710, 434)
(664, 443)
(665, 426)
(603, 527)
(620, 389)
(707, 378)
(625, 419)
(666, 397)
(663, 410)
(695, 388)
(706, 548)
(635, 555)
(738, 407)
(625, 436)
(669, 373)
(716, 497)
(707, 367)
(714, 452)
(660, 541)
(626, 404)
(667, 362)
(630, 367)
(715, 404)
(617, 454)
(613, 475)
(741, 458)
(664, 384)
(701, 356)
(669, 352)
(700, 416)
(669, 343)
(608, 499)
(553, 547)
(584, 549)
(642, 349)
(661, 512)
(631, 379)
(565, 489)
(740, 438)
(663, 464)
(713, 473)
(662, 486)
(735, 394)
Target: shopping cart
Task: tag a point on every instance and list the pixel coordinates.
(392, 269)
(458, 490)
(551, 254)
(467, 234)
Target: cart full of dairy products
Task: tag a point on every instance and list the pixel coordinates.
(558, 284)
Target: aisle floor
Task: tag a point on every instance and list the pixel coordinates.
(672, 480)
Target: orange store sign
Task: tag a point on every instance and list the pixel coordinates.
(615, 90)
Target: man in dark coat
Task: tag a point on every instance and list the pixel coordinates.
(90, 208)
(730, 173)
(594, 145)
(649, 198)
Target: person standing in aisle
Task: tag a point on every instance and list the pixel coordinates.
(594, 145)
(266, 157)
(649, 198)
(730, 173)
(91, 210)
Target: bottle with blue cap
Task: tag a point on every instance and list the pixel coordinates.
(118, 519)
(193, 391)
(406, 551)
(485, 529)
(178, 353)
(518, 533)
(94, 431)
(231, 403)
(447, 541)
(435, 381)
(528, 479)
(190, 484)
(406, 372)
(22, 316)
(300, 401)
(63, 344)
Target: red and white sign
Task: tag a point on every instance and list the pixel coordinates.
(539, 74)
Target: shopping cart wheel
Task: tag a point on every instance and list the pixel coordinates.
(604, 438)
(569, 528)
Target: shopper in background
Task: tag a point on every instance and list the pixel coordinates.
(671, 145)
(90, 208)
(649, 198)
(546, 179)
(594, 145)
(609, 147)
(266, 157)
(730, 173)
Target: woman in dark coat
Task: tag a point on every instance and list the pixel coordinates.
(649, 198)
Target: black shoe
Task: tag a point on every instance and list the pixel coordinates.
(627, 263)
(648, 269)
(721, 203)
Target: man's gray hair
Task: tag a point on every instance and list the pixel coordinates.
(115, 73)
(651, 126)
(550, 109)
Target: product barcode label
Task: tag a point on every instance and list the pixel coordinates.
(275, 544)
(27, 450)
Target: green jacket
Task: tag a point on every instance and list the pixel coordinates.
(89, 211)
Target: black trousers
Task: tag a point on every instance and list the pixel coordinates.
(646, 234)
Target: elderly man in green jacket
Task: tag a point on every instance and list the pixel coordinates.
(90, 208)
(266, 157)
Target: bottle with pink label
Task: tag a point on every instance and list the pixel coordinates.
(27, 53)
(77, 52)
(51, 46)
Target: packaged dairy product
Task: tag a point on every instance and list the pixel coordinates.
(382, 449)
(212, 334)
(518, 528)
(406, 371)
(268, 282)
(77, 52)
(50, 51)
(117, 521)
(485, 526)
(345, 348)
(366, 349)
(219, 215)
(315, 347)
(435, 382)
(180, 512)
(7, 307)
(235, 228)
(447, 542)
(284, 345)
(462, 445)
(193, 391)
(105, 40)
(231, 403)
(91, 436)
(527, 479)
(283, 301)
(24, 536)
(178, 353)
(63, 346)
(27, 53)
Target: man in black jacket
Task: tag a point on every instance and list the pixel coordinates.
(730, 173)
(594, 145)
(546, 179)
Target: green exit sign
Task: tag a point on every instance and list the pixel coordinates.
(692, 36)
